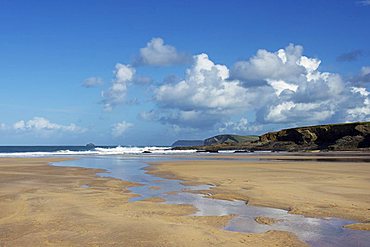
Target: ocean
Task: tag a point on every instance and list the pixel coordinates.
(39, 151)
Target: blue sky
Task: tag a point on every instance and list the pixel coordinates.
(151, 72)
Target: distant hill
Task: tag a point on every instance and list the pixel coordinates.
(229, 139)
(188, 143)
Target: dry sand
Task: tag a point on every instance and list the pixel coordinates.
(42, 205)
(318, 189)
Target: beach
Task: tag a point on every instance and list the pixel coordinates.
(49, 205)
(307, 187)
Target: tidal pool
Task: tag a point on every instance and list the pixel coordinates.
(317, 232)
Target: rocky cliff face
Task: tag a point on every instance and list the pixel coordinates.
(348, 136)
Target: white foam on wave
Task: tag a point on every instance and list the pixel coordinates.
(140, 150)
(101, 151)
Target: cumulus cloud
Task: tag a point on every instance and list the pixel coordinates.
(92, 82)
(240, 126)
(43, 124)
(157, 53)
(303, 93)
(206, 96)
(293, 112)
(115, 95)
(205, 86)
(361, 112)
(120, 128)
(350, 56)
(285, 64)
(281, 87)
(363, 76)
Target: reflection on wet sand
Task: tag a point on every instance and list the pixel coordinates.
(315, 231)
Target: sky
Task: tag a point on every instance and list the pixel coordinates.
(152, 72)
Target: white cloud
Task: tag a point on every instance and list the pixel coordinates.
(364, 2)
(20, 125)
(362, 111)
(92, 82)
(365, 70)
(157, 53)
(303, 93)
(276, 112)
(205, 86)
(291, 112)
(120, 128)
(281, 65)
(364, 75)
(115, 95)
(241, 126)
(207, 96)
(2, 126)
(43, 124)
(278, 87)
(290, 88)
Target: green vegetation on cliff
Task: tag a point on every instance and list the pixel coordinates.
(229, 139)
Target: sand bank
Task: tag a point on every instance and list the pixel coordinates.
(318, 189)
(65, 206)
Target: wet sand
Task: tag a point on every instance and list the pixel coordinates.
(317, 189)
(65, 206)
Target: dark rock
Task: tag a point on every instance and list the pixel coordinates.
(348, 136)
(90, 146)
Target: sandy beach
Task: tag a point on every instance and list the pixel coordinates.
(317, 189)
(44, 205)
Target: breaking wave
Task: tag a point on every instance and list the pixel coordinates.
(120, 150)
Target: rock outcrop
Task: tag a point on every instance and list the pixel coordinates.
(348, 136)
(336, 137)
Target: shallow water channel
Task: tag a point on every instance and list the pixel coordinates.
(314, 231)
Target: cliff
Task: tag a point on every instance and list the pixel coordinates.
(347, 136)
(336, 137)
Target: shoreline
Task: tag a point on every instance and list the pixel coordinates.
(63, 206)
(343, 195)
